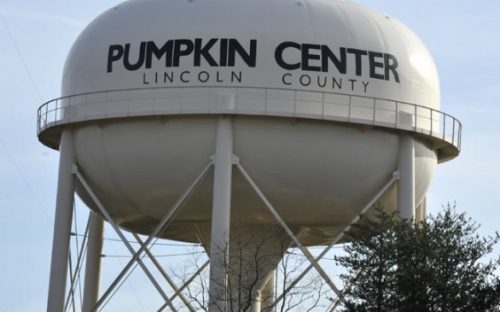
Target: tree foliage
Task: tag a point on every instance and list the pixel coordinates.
(440, 264)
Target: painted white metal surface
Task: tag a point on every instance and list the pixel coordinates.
(330, 170)
(406, 183)
(93, 263)
(62, 225)
(426, 122)
(284, 35)
(320, 91)
(221, 214)
(326, 98)
(321, 59)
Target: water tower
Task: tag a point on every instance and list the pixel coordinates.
(180, 118)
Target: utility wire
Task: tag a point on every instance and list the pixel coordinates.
(135, 242)
(25, 180)
(121, 284)
(11, 158)
(157, 256)
(302, 255)
(26, 68)
(131, 270)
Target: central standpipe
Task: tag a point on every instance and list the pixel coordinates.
(221, 215)
(268, 292)
(255, 251)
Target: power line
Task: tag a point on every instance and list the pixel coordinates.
(26, 68)
(302, 255)
(121, 284)
(158, 256)
(11, 158)
(25, 180)
(135, 242)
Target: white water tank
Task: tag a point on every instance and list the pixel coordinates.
(320, 91)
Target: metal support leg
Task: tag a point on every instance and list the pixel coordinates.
(406, 185)
(62, 224)
(221, 213)
(93, 263)
(268, 293)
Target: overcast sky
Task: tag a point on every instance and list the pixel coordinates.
(35, 37)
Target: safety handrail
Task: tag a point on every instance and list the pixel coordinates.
(407, 116)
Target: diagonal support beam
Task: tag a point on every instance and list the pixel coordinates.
(160, 227)
(395, 177)
(78, 267)
(337, 239)
(165, 275)
(120, 234)
(71, 295)
(278, 218)
(346, 289)
(186, 284)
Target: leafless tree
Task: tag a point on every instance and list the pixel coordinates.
(311, 294)
(250, 266)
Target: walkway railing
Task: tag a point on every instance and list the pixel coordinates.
(250, 101)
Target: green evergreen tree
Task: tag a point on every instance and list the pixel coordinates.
(438, 265)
